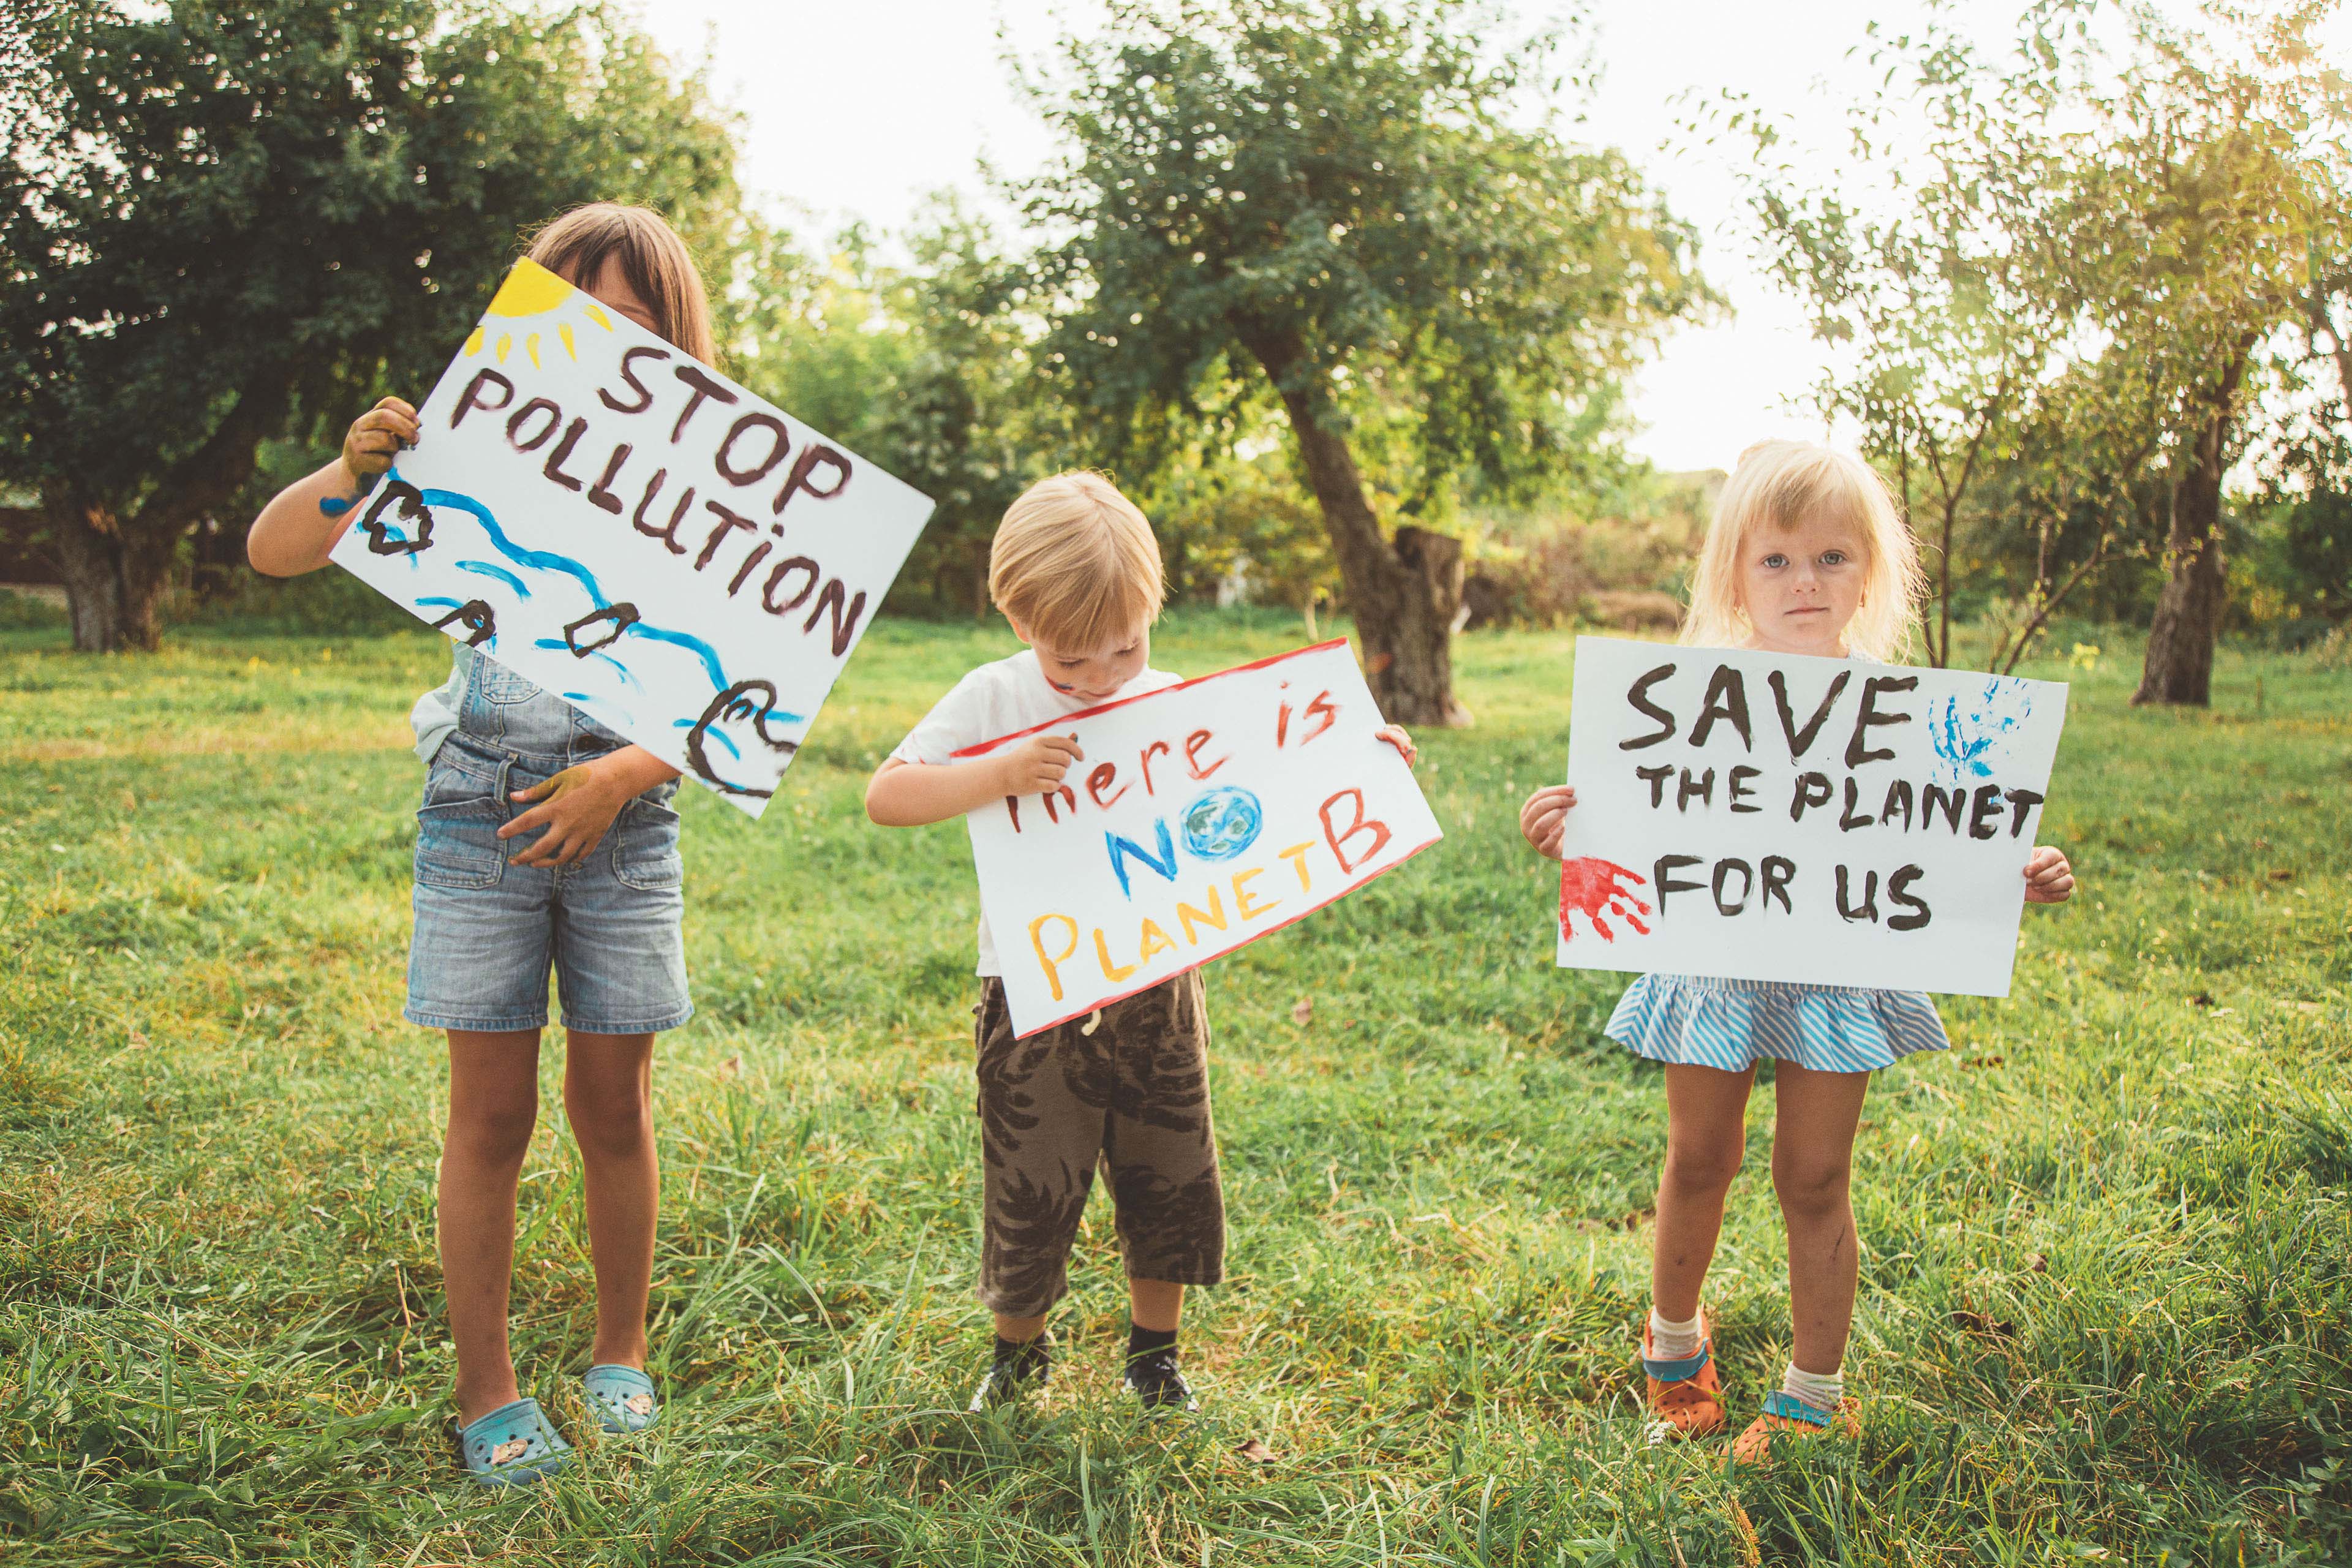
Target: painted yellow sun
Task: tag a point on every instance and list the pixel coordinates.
(531, 291)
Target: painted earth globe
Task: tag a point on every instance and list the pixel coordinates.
(1222, 823)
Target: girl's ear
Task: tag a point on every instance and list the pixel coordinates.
(1019, 630)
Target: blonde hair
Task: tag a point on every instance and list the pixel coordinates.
(1075, 563)
(653, 258)
(1780, 484)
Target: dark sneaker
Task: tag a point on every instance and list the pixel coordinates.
(1158, 1385)
(1008, 1381)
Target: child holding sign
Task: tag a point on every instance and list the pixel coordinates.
(595, 887)
(1075, 570)
(1806, 555)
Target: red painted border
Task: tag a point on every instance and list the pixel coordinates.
(1261, 936)
(983, 747)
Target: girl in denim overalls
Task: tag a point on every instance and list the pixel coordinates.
(543, 838)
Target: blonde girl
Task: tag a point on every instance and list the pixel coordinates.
(1806, 554)
(593, 889)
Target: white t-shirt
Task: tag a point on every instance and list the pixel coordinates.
(996, 700)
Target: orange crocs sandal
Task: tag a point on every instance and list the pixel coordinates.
(1785, 1413)
(1686, 1395)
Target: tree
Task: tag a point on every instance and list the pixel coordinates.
(974, 419)
(2092, 261)
(1332, 194)
(226, 226)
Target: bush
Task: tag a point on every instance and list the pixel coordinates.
(28, 613)
(329, 601)
(1618, 559)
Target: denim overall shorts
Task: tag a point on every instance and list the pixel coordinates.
(488, 932)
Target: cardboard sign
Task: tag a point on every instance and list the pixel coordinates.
(1203, 817)
(626, 527)
(1768, 816)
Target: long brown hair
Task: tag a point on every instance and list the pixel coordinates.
(653, 258)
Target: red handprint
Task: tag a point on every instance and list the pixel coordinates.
(1590, 887)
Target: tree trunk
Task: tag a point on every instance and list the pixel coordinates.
(2179, 665)
(1405, 593)
(114, 587)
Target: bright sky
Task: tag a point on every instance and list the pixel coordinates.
(860, 110)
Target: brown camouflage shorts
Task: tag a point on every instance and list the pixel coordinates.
(1133, 1096)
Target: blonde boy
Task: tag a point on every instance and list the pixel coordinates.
(1075, 570)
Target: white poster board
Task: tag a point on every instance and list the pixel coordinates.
(1769, 816)
(1203, 817)
(632, 531)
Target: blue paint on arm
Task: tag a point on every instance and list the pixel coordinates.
(334, 506)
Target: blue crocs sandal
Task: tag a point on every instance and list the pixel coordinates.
(621, 1396)
(514, 1445)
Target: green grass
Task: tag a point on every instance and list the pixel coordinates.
(2106, 1298)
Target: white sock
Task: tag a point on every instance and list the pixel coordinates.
(1670, 1340)
(1820, 1390)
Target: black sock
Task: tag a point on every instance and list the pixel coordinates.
(1142, 1342)
(1025, 1358)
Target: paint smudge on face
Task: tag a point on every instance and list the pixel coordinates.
(1971, 737)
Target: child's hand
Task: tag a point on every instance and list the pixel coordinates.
(576, 807)
(1395, 736)
(375, 439)
(1036, 766)
(2048, 879)
(1543, 821)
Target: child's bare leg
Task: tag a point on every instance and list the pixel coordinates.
(1019, 1330)
(493, 1105)
(1706, 1131)
(608, 1095)
(1812, 1161)
(1155, 1304)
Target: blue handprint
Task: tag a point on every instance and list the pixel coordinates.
(1971, 736)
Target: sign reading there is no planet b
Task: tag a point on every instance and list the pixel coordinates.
(1770, 816)
(1202, 817)
(629, 529)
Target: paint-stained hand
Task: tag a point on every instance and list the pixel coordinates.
(1395, 736)
(1037, 764)
(2049, 879)
(1543, 821)
(576, 807)
(376, 437)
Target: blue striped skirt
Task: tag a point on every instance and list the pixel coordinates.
(1698, 1021)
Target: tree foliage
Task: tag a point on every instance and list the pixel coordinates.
(2106, 266)
(1335, 195)
(226, 226)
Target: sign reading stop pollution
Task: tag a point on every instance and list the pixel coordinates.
(1203, 817)
(1768, 816)
(623, 526)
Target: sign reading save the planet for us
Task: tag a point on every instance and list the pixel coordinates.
(1202, 817)
(1768, 816)
(630, 529)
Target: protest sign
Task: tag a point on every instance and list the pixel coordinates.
(1770, 816)
(1203, 817)
(623, 525)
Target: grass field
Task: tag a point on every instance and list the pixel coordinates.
(2107, 1297)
